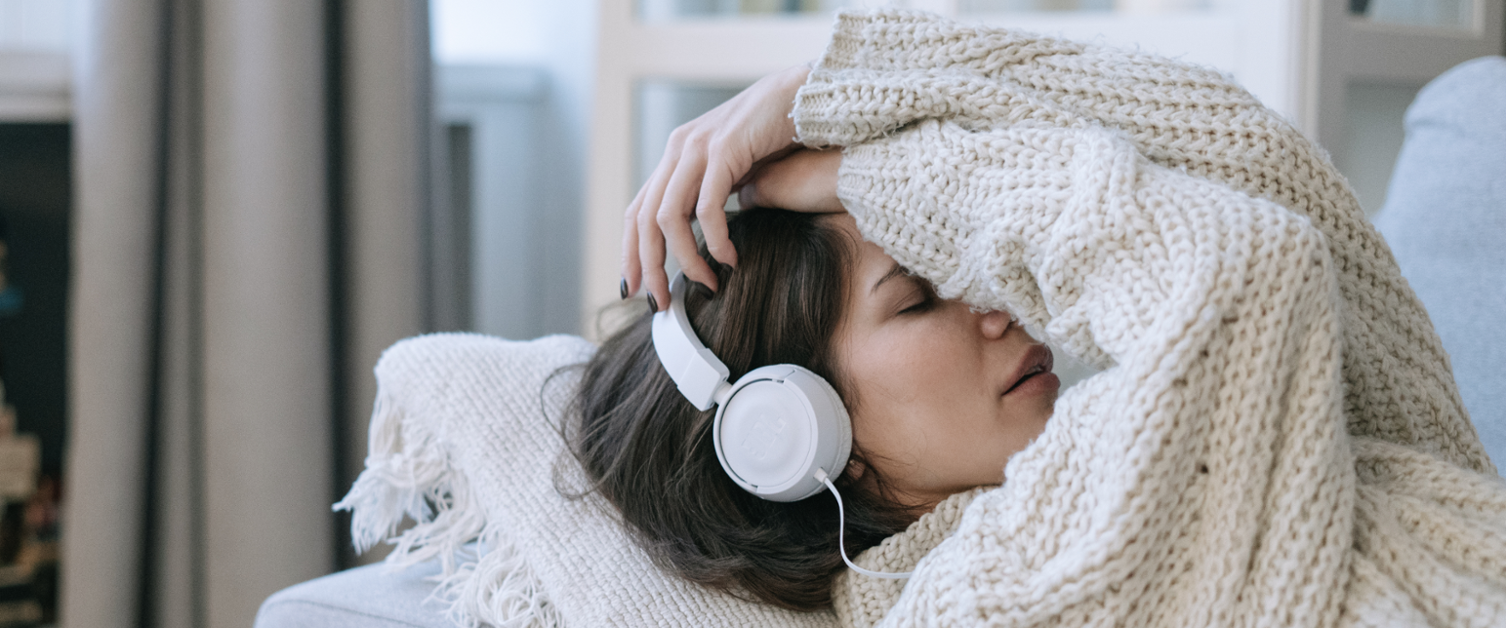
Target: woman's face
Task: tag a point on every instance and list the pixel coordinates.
(943, 395)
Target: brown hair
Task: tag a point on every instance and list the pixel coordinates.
(649, 452)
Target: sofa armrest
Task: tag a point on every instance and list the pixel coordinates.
(364, 597)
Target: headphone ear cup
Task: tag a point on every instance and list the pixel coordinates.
(779, 425)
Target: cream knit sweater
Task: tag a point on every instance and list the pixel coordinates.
(1276, 439)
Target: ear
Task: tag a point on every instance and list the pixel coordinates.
(855, 469)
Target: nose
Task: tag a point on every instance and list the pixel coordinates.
(994, 324)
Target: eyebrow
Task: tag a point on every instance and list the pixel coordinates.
(896, 271)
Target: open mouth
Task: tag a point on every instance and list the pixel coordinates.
(1038, 362)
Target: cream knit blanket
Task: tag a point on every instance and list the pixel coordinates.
(465, 442)
(1276, 439)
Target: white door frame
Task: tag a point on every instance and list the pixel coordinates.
(1355, 50)
(1261, 43)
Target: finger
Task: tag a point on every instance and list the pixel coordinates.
(649, 239)
(651, 256)
(680, 241)
(631, 266)
(710, 210)
(675, 215)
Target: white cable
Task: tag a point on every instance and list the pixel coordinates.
(841, 532)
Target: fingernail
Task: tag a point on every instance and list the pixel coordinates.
(704, 290)
(623, 287)
(745, 197)
(653, 306)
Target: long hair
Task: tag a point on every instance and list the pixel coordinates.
(649, 452)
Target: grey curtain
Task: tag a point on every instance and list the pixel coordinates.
(251, 189)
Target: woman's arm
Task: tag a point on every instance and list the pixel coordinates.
(1218, 316)
(885, 70)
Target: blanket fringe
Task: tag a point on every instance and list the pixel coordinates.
(484, 579)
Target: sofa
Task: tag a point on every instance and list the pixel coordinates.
(490, 409)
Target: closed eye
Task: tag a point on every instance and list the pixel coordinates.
(928, 298)
(919, 308)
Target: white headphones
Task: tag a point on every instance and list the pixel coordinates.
(781, 431)
(774, 429)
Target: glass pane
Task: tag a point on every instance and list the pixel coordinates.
(1123, 6)
(672, 9)
(1435, 13)
(664, 105)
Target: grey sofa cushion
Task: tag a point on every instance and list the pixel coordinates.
(1445, 219)
(365, 597)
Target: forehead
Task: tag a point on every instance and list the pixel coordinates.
(870, 262)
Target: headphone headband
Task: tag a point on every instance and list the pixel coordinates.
(696, 371)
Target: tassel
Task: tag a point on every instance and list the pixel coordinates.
(484, 579)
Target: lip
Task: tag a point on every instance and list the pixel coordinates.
(1037, 362)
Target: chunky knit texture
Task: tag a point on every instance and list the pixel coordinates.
(1276, 440)
(863, 601)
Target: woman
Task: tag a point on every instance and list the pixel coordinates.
(1275, 439)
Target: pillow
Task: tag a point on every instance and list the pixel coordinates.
(464, 440)
(1445, 220)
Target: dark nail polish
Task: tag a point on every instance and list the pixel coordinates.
(653, 306)
(704, 290)
(623, 287)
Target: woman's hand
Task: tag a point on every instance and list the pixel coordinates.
(703, 162)
(804, 181)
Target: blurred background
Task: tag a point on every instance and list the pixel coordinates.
(214, 215)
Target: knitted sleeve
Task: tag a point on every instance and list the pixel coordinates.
(885, 70)
(1217, 315)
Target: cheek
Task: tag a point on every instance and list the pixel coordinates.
(923, 363)
(907, 381)
(888, 367)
